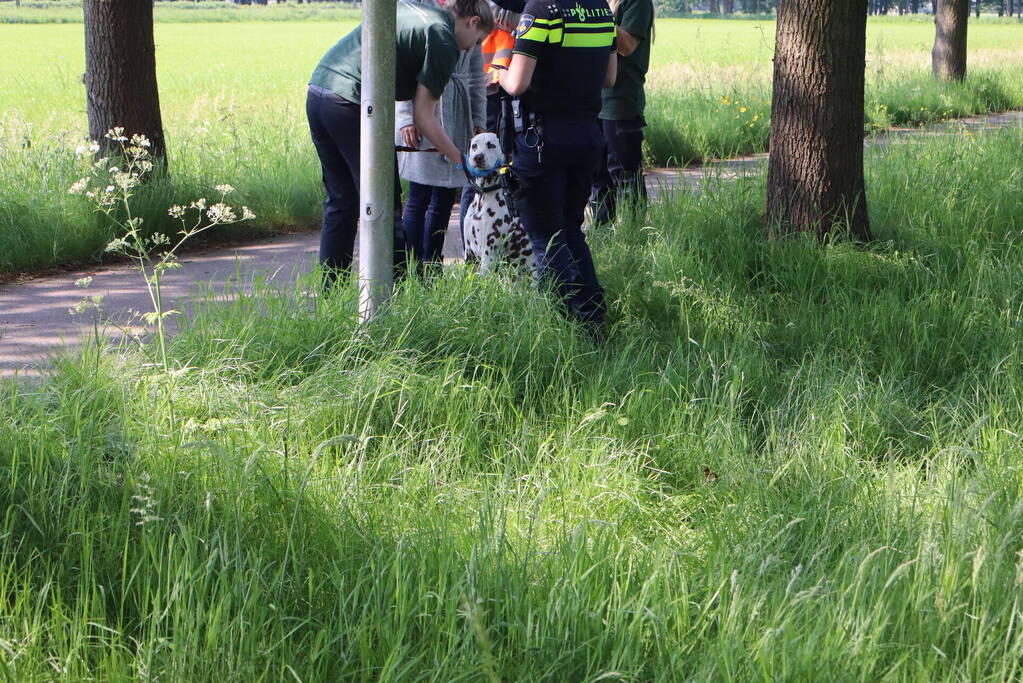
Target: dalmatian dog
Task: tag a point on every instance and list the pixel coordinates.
(493, 232)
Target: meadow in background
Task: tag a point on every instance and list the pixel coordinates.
(790, 461)
(232, 94)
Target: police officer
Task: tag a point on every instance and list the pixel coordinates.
(564, 55)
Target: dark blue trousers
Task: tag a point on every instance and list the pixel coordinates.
(555, 170)
(621, 170)
(425, 219)
(334, 125)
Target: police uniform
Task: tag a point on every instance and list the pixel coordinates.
(559, 150)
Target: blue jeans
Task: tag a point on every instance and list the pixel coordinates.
(425, 219)
(555, 170)
(334, 125)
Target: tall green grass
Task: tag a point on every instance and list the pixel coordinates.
(181, 11)
(233, 96)
(470, 490)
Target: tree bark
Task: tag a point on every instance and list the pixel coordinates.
(120, 71)
(948, 57)
(815, 173)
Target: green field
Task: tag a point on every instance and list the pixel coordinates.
(233, 95)
(470, 490)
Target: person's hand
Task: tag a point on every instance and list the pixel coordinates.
(476, 130)
(410, 136)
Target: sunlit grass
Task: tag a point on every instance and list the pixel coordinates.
(470, 490)
(232, 95)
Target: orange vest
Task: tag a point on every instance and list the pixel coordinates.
(497, 49)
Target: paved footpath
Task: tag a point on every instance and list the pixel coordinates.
(34, 315)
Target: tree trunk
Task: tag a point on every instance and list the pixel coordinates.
(120, 71)
(948, 58)
(815, 173)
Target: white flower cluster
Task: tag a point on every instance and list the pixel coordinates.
(85, 150)
(112, 181)
(221, 213)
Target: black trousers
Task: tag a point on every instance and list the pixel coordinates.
(334, 124)
(555, 171)
(621, 172)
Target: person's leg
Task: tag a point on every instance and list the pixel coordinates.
(463, 209)
(587, 303)
(414, 219)
(335, 134)
(625, 159)
(602, 193)
(400, 247)
(540, 199)
(438, 215)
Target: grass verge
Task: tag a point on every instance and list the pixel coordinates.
(470, 490)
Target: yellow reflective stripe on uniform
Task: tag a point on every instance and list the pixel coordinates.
(574, 24)
(544, 31)
(587, 39)
(535, 33)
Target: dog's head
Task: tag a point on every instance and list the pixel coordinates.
(485, 152)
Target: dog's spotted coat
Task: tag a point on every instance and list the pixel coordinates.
(493, 232)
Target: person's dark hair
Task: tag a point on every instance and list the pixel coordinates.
(475, 8)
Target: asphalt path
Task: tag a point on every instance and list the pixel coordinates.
(35, 314)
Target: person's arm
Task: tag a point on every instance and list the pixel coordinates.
(635, 19)
(507, 13)
(505, 19)
(516, 78)
(425, 119)
(540, 26)
(403, 122)
(627, 43)
(611, 75)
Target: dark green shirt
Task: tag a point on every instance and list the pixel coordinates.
(426, 52)
(627, 100)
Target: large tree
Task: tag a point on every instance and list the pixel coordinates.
(120, 70)
(815, 173)
(948, 58)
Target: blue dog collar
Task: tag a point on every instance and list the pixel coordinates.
(478, 172)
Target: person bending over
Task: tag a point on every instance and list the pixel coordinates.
(433, 181)
(428, 44)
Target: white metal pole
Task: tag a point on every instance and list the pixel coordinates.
(376, 165)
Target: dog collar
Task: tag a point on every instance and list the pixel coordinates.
(479, 172)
